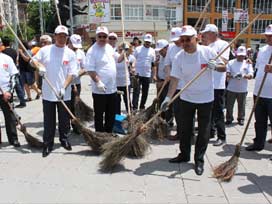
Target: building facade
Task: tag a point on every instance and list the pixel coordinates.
(223, 11)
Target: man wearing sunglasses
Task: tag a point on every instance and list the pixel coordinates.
(197, 98)
(210, 34)
(101, 66)
(145, 59)
(113, 40)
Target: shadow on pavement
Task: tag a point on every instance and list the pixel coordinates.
(263, 183)
(162, 165)
(228, 151)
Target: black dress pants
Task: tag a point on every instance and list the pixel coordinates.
(144, 84)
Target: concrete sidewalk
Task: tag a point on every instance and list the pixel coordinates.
(74, 177)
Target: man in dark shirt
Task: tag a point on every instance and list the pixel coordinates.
(13, 54)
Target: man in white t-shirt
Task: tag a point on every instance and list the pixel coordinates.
(113, 40)
(75, 44)
(197, 98)
(60, 67)
(263, 109)
(210, 34)
(173, 49)
(8, 73)
(145, 59)
(100, 64)
(239, 71)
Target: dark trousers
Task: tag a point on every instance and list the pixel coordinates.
(10, 121)
(218, 119)
(104, 107)
(177, 114)
(49, 118)
(144, 84)
(241, 101)
(167, 115)
(118, 102)
(75, 91)
(188, 110)
(20, 92)
(263, 111)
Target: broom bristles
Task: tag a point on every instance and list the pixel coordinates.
(83, 111)
(226, 170)
(116, 150)
(94, 139)
(31, 141)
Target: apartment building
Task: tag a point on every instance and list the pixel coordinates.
(193, 9)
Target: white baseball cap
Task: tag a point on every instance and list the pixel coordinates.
(112, 34)
(268, 30)
(175, 33)
(46, 38)
(210, 28)
(102, 29)
(76, 41)
(241, 51)
(188, 30)
(161, 44)
(148, 38)
(61, 29)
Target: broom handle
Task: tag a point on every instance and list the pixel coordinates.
(202, 13)
(11, 109)
(254, 105)
(57, 11)
(62, 102)
(201, 72)
(125, 57)
(161, 89)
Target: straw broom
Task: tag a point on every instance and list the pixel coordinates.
(32, 141)
(86, 133)
(114, 152)
(226, 170)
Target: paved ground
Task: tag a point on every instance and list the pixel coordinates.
(74, 177)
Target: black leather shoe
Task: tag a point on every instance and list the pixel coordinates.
(199, 168)
(21, 105)
(16, 143)
(241, 122)
(179, 159)
(66, 145)
(228, 122)
(253, 148)
(219, 142)
(46, 151)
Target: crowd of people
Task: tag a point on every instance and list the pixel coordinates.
(131, 67)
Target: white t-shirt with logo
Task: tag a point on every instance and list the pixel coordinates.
(80, 55)
(122, 74)
(102, 61)
(235, 67)
(144, 58)
(59, 63)
(186, 66)
(7, 69)
(170, 55)
(262, 59)
(220, 77)
(161, 68)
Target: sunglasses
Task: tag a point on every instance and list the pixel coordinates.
(186, 40)
(102, 36)
(112, 38)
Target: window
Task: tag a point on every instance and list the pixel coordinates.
(261, 5)
(224, 5)
(134, 12)
(260, 25)
(115, 12)
(170, 14)
(231, 25)
(197, 5)
(154, 12)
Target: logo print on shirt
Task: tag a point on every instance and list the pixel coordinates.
(65, 62)
(203, 66)
(5, 66)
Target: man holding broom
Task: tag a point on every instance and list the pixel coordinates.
(197, 97)
(8, 71)
(263, 109)
(60, 66)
